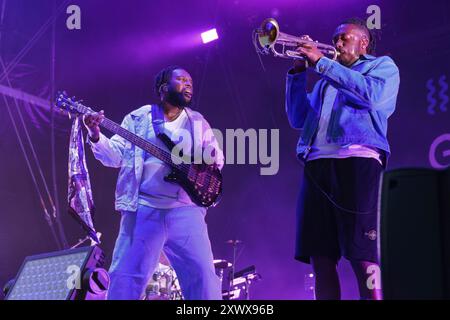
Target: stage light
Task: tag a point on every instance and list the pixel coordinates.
(210, 35)
(74, 274)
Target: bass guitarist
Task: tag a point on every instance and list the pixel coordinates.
(156, 214)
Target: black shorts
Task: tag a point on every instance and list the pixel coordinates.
(347, 227)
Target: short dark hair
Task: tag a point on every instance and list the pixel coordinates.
(163, 77)
(362, 24)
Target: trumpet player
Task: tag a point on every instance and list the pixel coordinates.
(344, 146)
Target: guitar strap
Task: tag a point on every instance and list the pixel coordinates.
(158, 123)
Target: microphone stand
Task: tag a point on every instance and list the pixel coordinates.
(234, 243)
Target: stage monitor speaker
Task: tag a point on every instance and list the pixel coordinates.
(415, 234)
(74, 274)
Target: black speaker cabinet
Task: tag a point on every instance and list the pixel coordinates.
(415, 234)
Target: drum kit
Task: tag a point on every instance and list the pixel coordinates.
(164, 284)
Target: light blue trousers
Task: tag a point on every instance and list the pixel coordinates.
(182, 234)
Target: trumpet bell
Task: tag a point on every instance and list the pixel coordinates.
(268, 38)
(268, 33)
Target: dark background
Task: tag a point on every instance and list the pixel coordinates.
(110, 63)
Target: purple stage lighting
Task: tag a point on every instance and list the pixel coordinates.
(210, 35)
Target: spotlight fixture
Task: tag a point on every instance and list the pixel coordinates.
(209, 35)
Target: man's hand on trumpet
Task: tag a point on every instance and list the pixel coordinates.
(309, 51)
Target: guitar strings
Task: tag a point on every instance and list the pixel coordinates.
(111, 125)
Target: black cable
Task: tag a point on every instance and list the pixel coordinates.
(32, 41)
(6, 70)
(330, 196)
(56, 212)
(27, 160)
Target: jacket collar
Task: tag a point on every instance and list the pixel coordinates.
(367, 57)
(141, 111)
(363, 58)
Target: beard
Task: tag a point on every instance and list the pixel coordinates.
(177, 99)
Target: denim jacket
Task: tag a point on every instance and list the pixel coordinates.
(367, 95)
(117, 152)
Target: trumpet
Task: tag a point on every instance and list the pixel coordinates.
(268, 36)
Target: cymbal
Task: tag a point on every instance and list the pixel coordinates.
(222, 264)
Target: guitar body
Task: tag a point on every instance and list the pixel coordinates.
(203, 184)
